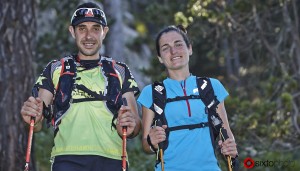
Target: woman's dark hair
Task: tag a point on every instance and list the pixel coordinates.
(179, 29)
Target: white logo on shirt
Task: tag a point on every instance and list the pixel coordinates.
(195, 90)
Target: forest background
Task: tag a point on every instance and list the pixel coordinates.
(252, 47)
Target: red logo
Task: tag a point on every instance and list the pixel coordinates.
(248, 163)
(89, 13)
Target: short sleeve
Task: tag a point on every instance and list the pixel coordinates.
(145, 98)
(129, 83)
(45, 79)
(219, 89)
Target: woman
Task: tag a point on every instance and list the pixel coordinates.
(188, 149)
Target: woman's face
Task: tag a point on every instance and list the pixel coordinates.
(174, 53)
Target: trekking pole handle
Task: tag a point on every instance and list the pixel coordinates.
(159, 123)
(30, 134)
(224, 136)
(160, 145)
(124, 138)
(124, 100)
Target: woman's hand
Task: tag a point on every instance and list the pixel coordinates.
(228, 147)
(157, 134)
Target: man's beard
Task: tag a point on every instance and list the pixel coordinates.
(89, 52)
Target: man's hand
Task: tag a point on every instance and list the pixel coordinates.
(32, 107)
(126, 118)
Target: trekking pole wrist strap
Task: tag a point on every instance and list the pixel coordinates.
(235, 162)
(233, 158)
(152, 148)
(131, 136)
(36, 124)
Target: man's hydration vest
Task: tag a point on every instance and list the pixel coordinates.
(66, 84)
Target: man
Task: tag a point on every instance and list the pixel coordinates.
(86, 92)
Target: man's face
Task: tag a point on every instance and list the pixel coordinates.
(89, 37)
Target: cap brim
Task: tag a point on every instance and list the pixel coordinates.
(87, 19)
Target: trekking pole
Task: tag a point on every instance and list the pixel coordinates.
(224, 136)
(30, 134)
(124, 138)
(160, 146)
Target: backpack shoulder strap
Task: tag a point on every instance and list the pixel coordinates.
(211, 102)
(113, 87)
(159, 97)
(206, 93)
(159, 101)
(64, 88)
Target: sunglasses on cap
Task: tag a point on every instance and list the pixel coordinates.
(88, 14)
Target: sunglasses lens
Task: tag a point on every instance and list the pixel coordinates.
(81, 12)
(86, 14)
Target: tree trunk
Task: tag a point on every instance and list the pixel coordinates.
(17, 45)
(114, 43)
